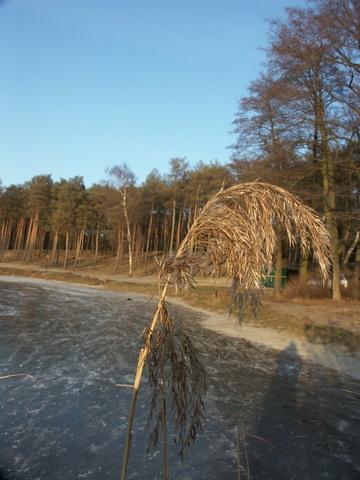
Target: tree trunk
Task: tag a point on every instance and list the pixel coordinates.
(330, 220)
(164, 234)
(357, 268)
(138, 246)
(55, 247)
(97, 235)
(27, 241)
(329, 196)
(156, 245)
(19, 237)
(178, 232)
(119, 251)
(6, 229)
(278, 265)
(352, 248)
(66, 249)
(172, 227)
(79, 246)
(32, 237)
(304, 260)
(42, 241)
(129, 241)
(149, 236)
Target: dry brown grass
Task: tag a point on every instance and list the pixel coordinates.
(301, 288)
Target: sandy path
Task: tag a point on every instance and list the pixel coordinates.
(330, 356)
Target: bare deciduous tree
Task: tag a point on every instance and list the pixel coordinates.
(123, 179)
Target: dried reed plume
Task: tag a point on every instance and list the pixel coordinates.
(236, 231)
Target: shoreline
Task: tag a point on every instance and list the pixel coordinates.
(337, 358)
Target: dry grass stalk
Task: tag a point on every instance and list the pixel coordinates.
(238, 456)
(174, 366)
(237, 231)
(18, 375)
(140, 367)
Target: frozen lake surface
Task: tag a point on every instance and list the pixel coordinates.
(301, 421)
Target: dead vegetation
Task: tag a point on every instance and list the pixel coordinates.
(309, 290)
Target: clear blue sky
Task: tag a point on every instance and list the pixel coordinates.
(87, 84)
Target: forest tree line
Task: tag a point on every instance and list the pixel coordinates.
(43, 216)
(298, 127)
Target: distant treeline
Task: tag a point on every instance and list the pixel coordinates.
(43, 216)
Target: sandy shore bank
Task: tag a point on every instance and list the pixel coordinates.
(330, 356)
